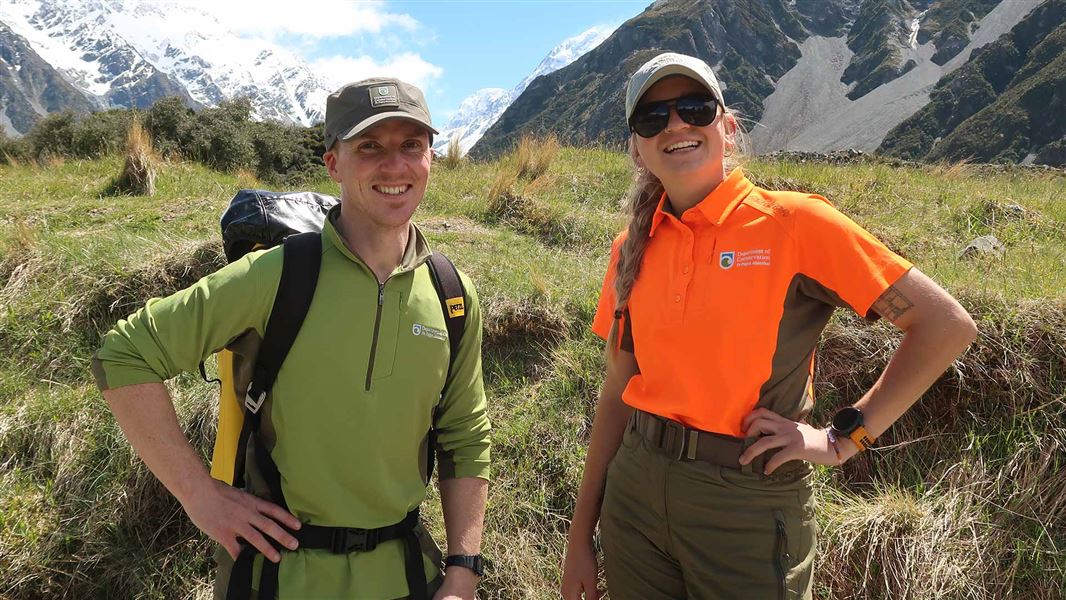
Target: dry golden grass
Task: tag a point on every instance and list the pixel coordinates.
(453, 156)
(502, 186)
(247, 180)
(953, 170)
(534, 156)
(140, 165)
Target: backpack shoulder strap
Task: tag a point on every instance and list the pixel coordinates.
(453, 304)
(452, 301)
(302, 258)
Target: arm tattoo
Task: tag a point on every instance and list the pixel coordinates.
(892, 304)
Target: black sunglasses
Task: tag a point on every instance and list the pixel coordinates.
(648, 120)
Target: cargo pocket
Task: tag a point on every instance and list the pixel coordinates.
(782, 556)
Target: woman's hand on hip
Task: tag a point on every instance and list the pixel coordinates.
(580, 571)
(795, 441)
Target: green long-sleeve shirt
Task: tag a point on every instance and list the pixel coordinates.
(347, 417)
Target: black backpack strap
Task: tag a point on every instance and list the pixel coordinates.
(302, 260)
(299, 276)
(453, 304)
(452, 301)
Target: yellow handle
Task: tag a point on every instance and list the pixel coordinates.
(230, 421)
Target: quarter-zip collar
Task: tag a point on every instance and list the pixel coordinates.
(415, 253)
(716, 206)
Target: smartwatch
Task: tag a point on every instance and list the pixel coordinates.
(848, 423)
(473, 562)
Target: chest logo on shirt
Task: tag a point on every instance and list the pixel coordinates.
(757, 257)
(426, 331)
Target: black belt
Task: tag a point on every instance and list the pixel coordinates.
(684, 443)
(337, 540)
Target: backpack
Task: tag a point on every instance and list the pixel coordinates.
(258, 219)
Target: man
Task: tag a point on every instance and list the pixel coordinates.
(346, 421)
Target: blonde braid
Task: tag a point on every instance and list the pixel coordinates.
(640, 203)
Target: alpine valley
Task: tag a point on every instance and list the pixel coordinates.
(937, 79)
(919, 79)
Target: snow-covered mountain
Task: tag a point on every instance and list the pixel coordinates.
(480, 110)
(127, 53)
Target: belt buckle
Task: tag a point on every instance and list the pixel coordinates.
(673, 428)
(354, 540)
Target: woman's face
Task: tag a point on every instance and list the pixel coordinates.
(682, 150)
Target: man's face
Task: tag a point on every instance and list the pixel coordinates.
(383, 172)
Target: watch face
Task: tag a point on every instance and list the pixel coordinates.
(847, 420)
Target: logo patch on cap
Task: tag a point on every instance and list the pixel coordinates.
(384, 95)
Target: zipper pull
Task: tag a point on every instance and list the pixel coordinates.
(381, 294)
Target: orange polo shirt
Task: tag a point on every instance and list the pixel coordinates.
(732, 297)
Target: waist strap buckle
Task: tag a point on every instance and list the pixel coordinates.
(348, 539)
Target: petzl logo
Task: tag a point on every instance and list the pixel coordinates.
(456, 307)
(726, 260)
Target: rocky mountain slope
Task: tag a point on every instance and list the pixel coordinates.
(812, 75)
(1008, 103)
(30, 87)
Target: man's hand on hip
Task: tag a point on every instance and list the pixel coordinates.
(225, 514)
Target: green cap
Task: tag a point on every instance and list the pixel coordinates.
(359, 106)
(665, 65)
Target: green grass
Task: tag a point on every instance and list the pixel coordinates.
(965, 498)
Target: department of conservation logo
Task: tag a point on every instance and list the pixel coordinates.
(426, 331)
(726, 259)
(385, 95)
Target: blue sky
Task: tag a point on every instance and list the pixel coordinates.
(451, 47)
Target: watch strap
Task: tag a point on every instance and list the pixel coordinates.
(862, 438)
(474, 562)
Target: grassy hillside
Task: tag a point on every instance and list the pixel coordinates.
(964, 498)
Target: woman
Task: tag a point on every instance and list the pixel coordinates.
(714, 299)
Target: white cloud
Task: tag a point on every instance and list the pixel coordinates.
(335, 71)
(320, 19)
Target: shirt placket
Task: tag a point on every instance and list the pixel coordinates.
(686, 265)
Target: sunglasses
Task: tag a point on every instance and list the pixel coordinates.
(650, 119)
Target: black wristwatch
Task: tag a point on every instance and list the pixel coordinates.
(848, 422)
(474, 562)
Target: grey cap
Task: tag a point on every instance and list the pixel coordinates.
(664, 65)
(359, 106)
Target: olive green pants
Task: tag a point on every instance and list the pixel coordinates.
(691, 529)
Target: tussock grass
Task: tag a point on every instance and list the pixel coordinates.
(964, 498)
(522, 332)
(534, 156)
(140, 164)
(114, 297)
(453, 155)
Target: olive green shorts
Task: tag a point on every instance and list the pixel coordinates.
(692, 529)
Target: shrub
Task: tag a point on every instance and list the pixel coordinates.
(101, 133)
(52, 136)
(168, 122)
(286, 155)
(221, 137)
